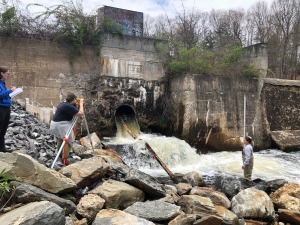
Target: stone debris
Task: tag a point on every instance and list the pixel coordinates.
(101, 189)
(28, 135)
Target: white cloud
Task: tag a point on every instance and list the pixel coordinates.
(155, 7)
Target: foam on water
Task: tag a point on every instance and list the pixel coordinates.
(180, 157)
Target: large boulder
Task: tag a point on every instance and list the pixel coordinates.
(25, 193)
(184, 219)
(194, 204)
(289, 216)
(89, 205)
(228, 216)
(139, 180)
(86, 172)
(287, 197)
(193, 178)
(117, 217)
(287, 140)
(86, 141)
(254, 204)
(35, 213)
(218, 198)
(26, 169)
(154, 210)
(118, 195)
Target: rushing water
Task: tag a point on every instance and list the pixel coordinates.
(180, 157)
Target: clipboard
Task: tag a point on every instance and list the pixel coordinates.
(16, 92)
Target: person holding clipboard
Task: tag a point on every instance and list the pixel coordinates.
(5, 104)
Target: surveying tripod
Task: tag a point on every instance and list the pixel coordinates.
(66, 138)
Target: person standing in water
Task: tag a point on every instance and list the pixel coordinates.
(5, 103)
(247, 156)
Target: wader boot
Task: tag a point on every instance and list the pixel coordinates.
(248, 167)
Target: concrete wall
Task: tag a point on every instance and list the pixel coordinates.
(131, 21)
(133, 57)
(106, 94)
(41, 68)
(281, 112)
(205, 111)
(210, 110)
(258, 55)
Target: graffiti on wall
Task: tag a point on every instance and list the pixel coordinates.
(131, 21)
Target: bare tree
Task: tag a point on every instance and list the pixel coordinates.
(227, 26)
(285, 16)
(259, 16)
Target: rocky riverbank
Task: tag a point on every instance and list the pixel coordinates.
(100, 189)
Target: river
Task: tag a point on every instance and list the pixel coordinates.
(180, 157)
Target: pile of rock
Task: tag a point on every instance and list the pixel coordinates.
(103, 190)
(28, 135)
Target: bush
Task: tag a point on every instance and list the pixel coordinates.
(4, 181)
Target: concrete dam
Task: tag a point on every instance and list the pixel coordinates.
(205, 111)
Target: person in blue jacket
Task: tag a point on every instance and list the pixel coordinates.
(5, 103)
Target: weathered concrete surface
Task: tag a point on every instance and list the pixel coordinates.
(208, 111)
(40, 68)
(205, 111)
(287, 140)
(106, 94)
(129, 56)
(281, 110)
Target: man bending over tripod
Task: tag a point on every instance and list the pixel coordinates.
(62, 121)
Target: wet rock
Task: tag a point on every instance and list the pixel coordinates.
(274, 185)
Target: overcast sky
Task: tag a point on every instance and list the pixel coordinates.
(155, 7)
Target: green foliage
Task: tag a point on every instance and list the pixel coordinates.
(69, 24)
(9, 19)
(232, 55)
(251, 71)
(111, 26)
(192, 60)
(223, 61)
(4, 181)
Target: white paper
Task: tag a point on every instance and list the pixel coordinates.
(16, 92)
